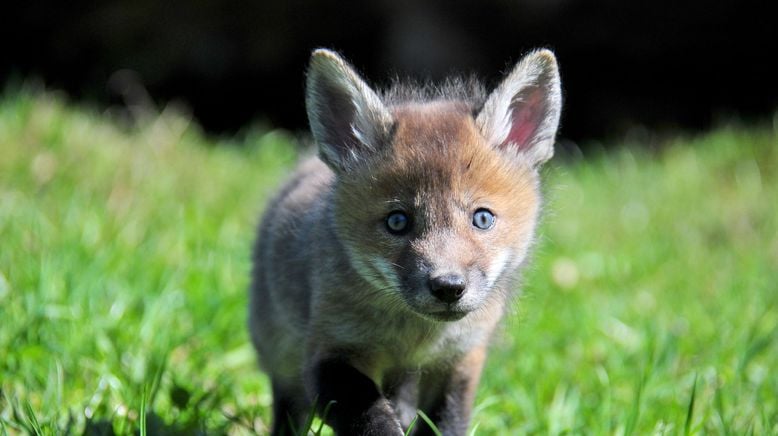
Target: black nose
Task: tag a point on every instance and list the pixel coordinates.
(448, 288)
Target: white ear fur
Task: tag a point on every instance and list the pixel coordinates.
(347, 118)
(522, 114)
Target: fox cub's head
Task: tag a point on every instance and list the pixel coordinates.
(436, 195)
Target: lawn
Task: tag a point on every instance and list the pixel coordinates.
(651, 305)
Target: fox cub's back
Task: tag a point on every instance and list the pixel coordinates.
(387, 260)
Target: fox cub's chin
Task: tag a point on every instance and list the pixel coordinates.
(417, 213)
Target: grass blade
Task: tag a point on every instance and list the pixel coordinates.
(635, 414)
(412, 424)
(32, 419)
(323, 417)
(690, 410)
(143, 400)
(719, 403)
(429, 422)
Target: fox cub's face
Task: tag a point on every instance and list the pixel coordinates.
(435, 200)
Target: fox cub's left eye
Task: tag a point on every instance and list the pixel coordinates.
(483, 219)
(398, 223)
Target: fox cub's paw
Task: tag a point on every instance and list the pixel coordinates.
(378, 420)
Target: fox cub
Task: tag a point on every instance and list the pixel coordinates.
(385, 263)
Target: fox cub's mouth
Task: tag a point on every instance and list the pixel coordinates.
(448, 315)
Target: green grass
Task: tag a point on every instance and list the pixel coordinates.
(651, 305)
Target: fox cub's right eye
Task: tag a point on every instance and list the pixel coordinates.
(398, 223)
(483, 219)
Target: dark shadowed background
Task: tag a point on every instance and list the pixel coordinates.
(660, 64)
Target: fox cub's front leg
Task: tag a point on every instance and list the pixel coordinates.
(449, 395)
(350, 402)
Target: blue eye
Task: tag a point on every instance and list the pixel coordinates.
(483, 219)
(398, 223)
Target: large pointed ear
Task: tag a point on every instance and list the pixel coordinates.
(347, 118)
(522, 114)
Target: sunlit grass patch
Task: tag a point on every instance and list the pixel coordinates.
(650, 305)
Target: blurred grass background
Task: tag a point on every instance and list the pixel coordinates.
(650, 306)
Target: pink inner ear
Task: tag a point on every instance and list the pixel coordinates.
(526, 116)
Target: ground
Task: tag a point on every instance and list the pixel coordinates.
(650, 305)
